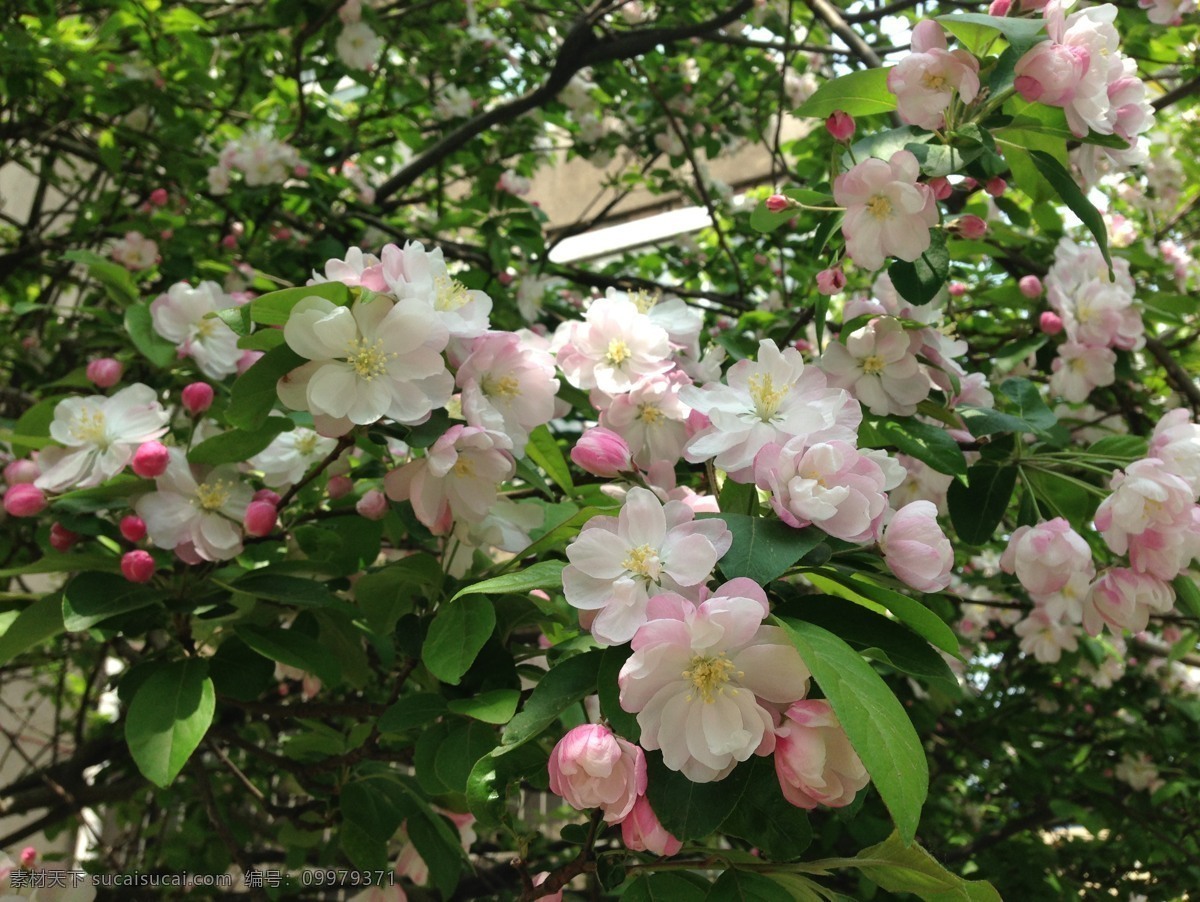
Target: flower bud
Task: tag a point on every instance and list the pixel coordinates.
(373, 505)
(841, 125)
(814, 761)
(972, 227)
(593, 768)
(138, 566)
(831, 281)
(133, 528)
(22, 471)
(159, 197)
(260, 518)
(28, 857)
(1050, 323)
(339, 486)
(300, 171)
(24, 500)
(150, 460)
(602, 452)
(1031, 286)
(104, 372)
(1000, 8)
(941, 187)
(956, 289)
(61, 538)
(642, 831)
(197, 397)
(996, 186)
(777, 203)
(268, 496)
(916, 550)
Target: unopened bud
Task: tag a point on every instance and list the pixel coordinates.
(133, 528)
(24, 500)
(996, 186)
(1031, 286)
(1051, 323)
(972, 227)
(21, 471)
(159, 197)
(260, 518)
(831, 281)
(197, 397)
(373, 505)
(61, 538)
(777, 203)
(841, 125)
(602, 452)
(138, 566)
(104, 372)
(150, 460)
(1000, 8)
(339, 487)
(941, 187)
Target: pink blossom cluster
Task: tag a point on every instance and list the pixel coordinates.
(260, 157)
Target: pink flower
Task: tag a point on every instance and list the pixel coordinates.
(508, 386)
(617, 563)
(135, 251)
(1151, 515)
(1044, 556)
(652, 419)
(1080, 368)
(641, 831)
(1046, 638)
(814, 761)
(916, 549)
(61, 538)
(590, 767)
(1050, 72)
(21, 471)
(840, 125)
(24, 500)
(703, 680)
(1122, 599)
(878, 365)
(104, 372)
(1176, 442)
(602, 452)
(971, 227)
(831, 281)
(924, 81)
(887, 212)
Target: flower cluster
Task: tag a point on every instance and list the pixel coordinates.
(260, 157)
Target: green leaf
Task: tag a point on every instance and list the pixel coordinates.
(907, 868)
(859, 93)
(1187, 596)
(542, 575)
(294, 649)
(456, 636)
(976, 30)
(873, 719)
(253, 395)
(296, 591)
(236, 318)
(239, 444)
(239, 672)
(666, 887)
(746, 886)
(1122, 448)
(168, 716)
(1028, 404)
(763, 549)
(372, 810)
(543, 450)
(496, 706)
(764, 818)
(92, 598)
(411, 712)
(1062, 182)
(977, 508)
(927, 443)
(116, 279)
(36, 623)
(608, 688)
(273, 309)
(388, 594)
(152, 346)
(465, 744)
(262, 340)
(919, 282)
(691, 810)
(565, 684)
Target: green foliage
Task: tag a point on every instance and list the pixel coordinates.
(168, 717)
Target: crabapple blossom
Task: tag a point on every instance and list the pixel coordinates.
(703, 680)
(925, 81)
(413, 272)
(1050, 322)
(1139, 772)
(777, 203)
(260, 518)
(21, 471)
(260, 157)
(99, 436)
(1148, 498)
(358, 46)
(641, 831)
(831, 281)
(602, 452)
(514, 183)
(508, 386)
(135, 251)
(1123, 599)
(24, 500)
(1176, 442)
(358, 269)
(1045, 638)
(1030, 286)
(1167, 12)
(651, 418)
(617, 563)
(922, 483)
(828, 484)
(182, 316)
(198, 507)
(290, 455)
(878, 365)
(916, 550)
(1044, 556)
(457, 479)
(1068, 602)
(197, 397)
(138, 566)
(614, 348)
(840, 125)
(1079, 368)
(133, 528)
(373, 359)
(887, 212)
(591, 767)
(373, 505)
(104, 372)
(150, 460)
(814, 761)
(771, 399)
(61, 538)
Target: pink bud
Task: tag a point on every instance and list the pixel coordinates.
(777, 203)
(61, 538)
(972, 227)
(641, 831)
(505, 278)
(197, 397)
(150, 460)
(260, 518)
(339, 487)
(21, 471)
(941, 187)
(1050, 322)
(996, 186)
(229, 242)
(1000, 8)
(133, 528)
(300, 171)
(1031, 286)
(138, 566)
(268, 496)
(28, 856)
(158, 197)
(166, 234)
(831, 281)
(840, 125)
(104, 372)
(969, 184)
(591, 767)
(956, 289)
(373, 505)
(24, 500)
(602, 452)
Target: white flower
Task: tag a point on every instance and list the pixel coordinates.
(413, 272)
(100, 436)
(507, 386)
(375, 358)
(135, 251)
(357, 46)
(290, 455)
(878, 366)
(182, 316)
(615, 347)
(191, 506)
(454, 102)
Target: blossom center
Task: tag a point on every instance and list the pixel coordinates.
(709, 676)
(450, 294)
(879, 206)
(873, 365)
(650, 415)
(618, 352)
(644, 300)
(205, 327)
(464, 467)
(644, 561)
(933, 81)
(306, 444)
(213, 496)
(505, 387)
(89, 427)
(766, 396)
(368, 359)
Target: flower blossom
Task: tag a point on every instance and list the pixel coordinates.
(617, 563)
(1151, 515)
(507, 386)
(1123, 599)
(182, 316)
(925, 81)
(651, 418)
(1176, 442)
(591, 767)
(1079, 368)
(1046, 638)
(887, 212)
(1044, 556)
(135, 251)
(357, 46)
(814, 761)
(199, 509)
(413, 272)
(877, 365)
(641, 831)
(915, 548)
(702, 680)
(290, 455)
(614, 348)
(99, 436)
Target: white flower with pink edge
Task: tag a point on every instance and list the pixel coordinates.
(1044, 556)
(814, 761)
(926, 80)
(591, 767)
(651, 418)
(915, 548)
(413, 272)
(508, 386)
(887, 212)
(614, 348)
(878, 365)
(182, 316)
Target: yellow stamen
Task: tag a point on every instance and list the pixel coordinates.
(213, 496)
(873, 365)
(933, 82)
(451, 294)
(650, 415)
(88, 426)
(307, 444)
(618, 352)
(879, 207)
(645, 300)
(766, 396)
(709, 676)
(506, 387)
(464, 467)
(368, 360)
(643, 561)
